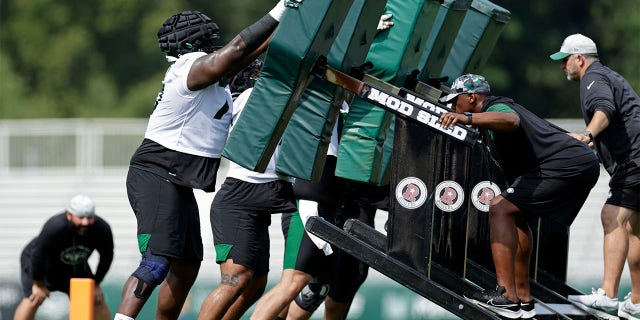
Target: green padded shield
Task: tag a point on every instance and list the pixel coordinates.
(306, 138)
(442, 37)
(362, 155)
(303, 35)
(476, 39)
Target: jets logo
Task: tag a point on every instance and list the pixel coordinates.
(75, 255)
(483, 193)
(449, 196)
(411, 193)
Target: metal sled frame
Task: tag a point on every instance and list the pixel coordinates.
(440, 285)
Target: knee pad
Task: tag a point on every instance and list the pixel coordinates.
(312, 295)
(150, 273)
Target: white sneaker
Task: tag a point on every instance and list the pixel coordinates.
(628, 310)
(603, 306)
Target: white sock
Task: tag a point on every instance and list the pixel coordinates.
(120, 316)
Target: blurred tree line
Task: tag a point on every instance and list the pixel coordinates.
(70, 58)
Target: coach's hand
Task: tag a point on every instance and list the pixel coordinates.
(39, 292)
(98, 296)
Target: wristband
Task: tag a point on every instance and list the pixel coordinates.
(469, 118)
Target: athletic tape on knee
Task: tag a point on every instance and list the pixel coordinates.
(311, 296)
(150, 273)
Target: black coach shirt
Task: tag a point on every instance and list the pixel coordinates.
(602, 89)
(59, 252)
(537, 145)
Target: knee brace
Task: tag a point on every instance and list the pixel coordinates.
(312, 295)
(150, 273)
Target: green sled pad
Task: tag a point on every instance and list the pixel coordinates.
(394, 53)
(476, 39)
(442, 37)
(306, 139)
(302, 36)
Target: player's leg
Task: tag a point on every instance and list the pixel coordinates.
(254, 290)
(308, 300)
(279, 297)
(292, 280)
(633, 257)
(616, 246)
(175, 288)
(295, 312)
(523, 256)
(101, 310)
(242, 243)
(187, 246)
(361, 203)
(27, 307)
(169, 240)
(234, 280)
(504, 243)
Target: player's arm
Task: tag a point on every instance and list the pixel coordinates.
(43, 244)
(236, 54)
(598, 123)
(105, 250)
(498, 121)
(499, 117)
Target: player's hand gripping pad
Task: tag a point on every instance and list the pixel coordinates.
(304, 34)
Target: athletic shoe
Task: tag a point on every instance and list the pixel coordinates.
(628, 310)
(601, 305)
(494, 301)
(528, 309)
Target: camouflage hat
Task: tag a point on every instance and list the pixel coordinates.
(468, 83)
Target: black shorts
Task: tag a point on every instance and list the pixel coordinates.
(557, 198)
(59, 281)
(240, 218)
(624, 187)
(167, 215)
(301, 253)
(329, 189)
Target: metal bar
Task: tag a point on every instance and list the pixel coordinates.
(366, 233)
(397, 271)
(485, 278)
(419, 110)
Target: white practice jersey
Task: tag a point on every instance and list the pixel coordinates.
(241, 173)
(192, 122)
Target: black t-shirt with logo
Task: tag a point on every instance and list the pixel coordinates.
(59, 253)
